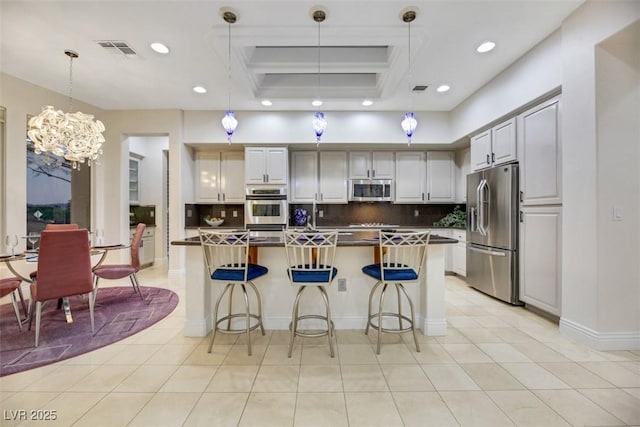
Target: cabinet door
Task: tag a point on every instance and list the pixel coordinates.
(276, 165)
(463, 167)
(232, 172)
(208, 177)
(540, 155)
(411, 178)
(382, 165)
(481, 150)
(304, 176)
(440, 176)
(333, 177)
(503, 142)
(540, 257)
(359, 165)
(460, 253)
(254, 165)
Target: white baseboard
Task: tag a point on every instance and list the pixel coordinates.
(602, 341)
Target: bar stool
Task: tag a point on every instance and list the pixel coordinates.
(226, 256)
(402, 256)
(11, 285)
(310, 258)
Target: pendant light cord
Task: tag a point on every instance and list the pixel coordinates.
(409, 54)
(70, 83)
(318, 75)
(229, 68)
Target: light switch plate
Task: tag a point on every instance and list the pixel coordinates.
(618, 213)
(342, 285)
(223, 214)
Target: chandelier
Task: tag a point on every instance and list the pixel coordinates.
(409, 123)
(229, 121)
(75, 136)
(319, 122)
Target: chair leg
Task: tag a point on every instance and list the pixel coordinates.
(38, 315)
(215, 316)
(91, 307)
(259, 299)
(373, 290)
(14, 301)
(323, 291)
(136, 285)
(293, 327)
(95, 288)
(247, 316)
(32, 307)
(413, 319)
(380, 305)
(22, 302)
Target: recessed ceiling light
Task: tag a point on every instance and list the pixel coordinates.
(199, 89)
(367, 102)
(486, 47)
(443, 88)
(316, 103)
(159, 47)
(267, 103)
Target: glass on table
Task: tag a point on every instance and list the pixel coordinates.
(11, 241)
(33, 239)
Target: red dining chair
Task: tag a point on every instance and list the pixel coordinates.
(64, 270)
(11, 285)
(59, 227)
(120, 271)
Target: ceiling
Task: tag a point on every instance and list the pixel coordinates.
(274, 51)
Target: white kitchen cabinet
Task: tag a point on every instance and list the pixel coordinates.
(134, 180)
(368, 165)
(411, 177)
(459, 252)
(333, 177)
(147, 246)
(494, 146)
(220, 177)
(539, 151)
(540, 258)
(463, 167)
(441, 177)
(304, 177)
(266, 165)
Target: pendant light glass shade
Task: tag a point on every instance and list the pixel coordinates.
(229, 123)
(319, 125)
(409, 124)
(75, 136)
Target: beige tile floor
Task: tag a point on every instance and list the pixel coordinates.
(498, 366)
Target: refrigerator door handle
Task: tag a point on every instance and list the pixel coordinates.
(486, 251)
(481, 207)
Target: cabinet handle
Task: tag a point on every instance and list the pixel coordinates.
(493, 157)
(423, 196)
(368, 173)
(373, 173)
(521, 196)
(218, 196)
(487, 159)
(321, 196)
(267, 177)
(315, 196)
(429, 196)
(264, 178)
(521, 216)
(223, 197)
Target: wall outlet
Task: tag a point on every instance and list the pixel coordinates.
(416, 212)
(342, 285)
(223, 214)
(235, 214)
(321, 213)
(189, 213)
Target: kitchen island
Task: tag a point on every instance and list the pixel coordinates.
(348, 308)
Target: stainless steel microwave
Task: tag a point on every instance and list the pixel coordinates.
(371, 190)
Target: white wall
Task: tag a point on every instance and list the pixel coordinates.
(598, 309)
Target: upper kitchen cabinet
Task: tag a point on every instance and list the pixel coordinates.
(266, 165)
(441, 177)
(333, 177)
(540, 154)
(369, 165)
(494, 146)
(304, 177)
(463, 167)
(411, 177)
(134, 180)
(220, 177)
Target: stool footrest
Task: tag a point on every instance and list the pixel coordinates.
(321, 333)
(393, 331)
(237, 331)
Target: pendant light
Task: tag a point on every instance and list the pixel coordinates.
(75, 136)
(409, 123)
(229, 122)
(319, 122)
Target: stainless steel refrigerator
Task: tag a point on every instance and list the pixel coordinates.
(492, 232)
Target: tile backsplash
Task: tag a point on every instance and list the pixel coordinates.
(142, 213)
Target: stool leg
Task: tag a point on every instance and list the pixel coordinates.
(259, 305)
(215, 316)
(413, 319)
(230, 307)
(373, 290)
(247, 311)
(294, 319)
(380, 304)
(399, 306)
(323, 291)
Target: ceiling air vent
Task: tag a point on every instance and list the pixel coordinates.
(114, 46)
(420, 88)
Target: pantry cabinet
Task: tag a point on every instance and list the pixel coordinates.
(220, 177)
(369, 165)
(266, 165)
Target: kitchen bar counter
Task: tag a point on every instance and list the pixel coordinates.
(349, 309)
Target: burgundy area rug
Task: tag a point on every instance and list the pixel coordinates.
(120, 313)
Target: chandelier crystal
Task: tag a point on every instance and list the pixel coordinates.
(75, 136)
(319, 122)
(409, 123)
(229, 121)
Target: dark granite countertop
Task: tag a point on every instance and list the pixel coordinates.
(345, 238)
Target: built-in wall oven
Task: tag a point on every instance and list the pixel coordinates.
(266, 207)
